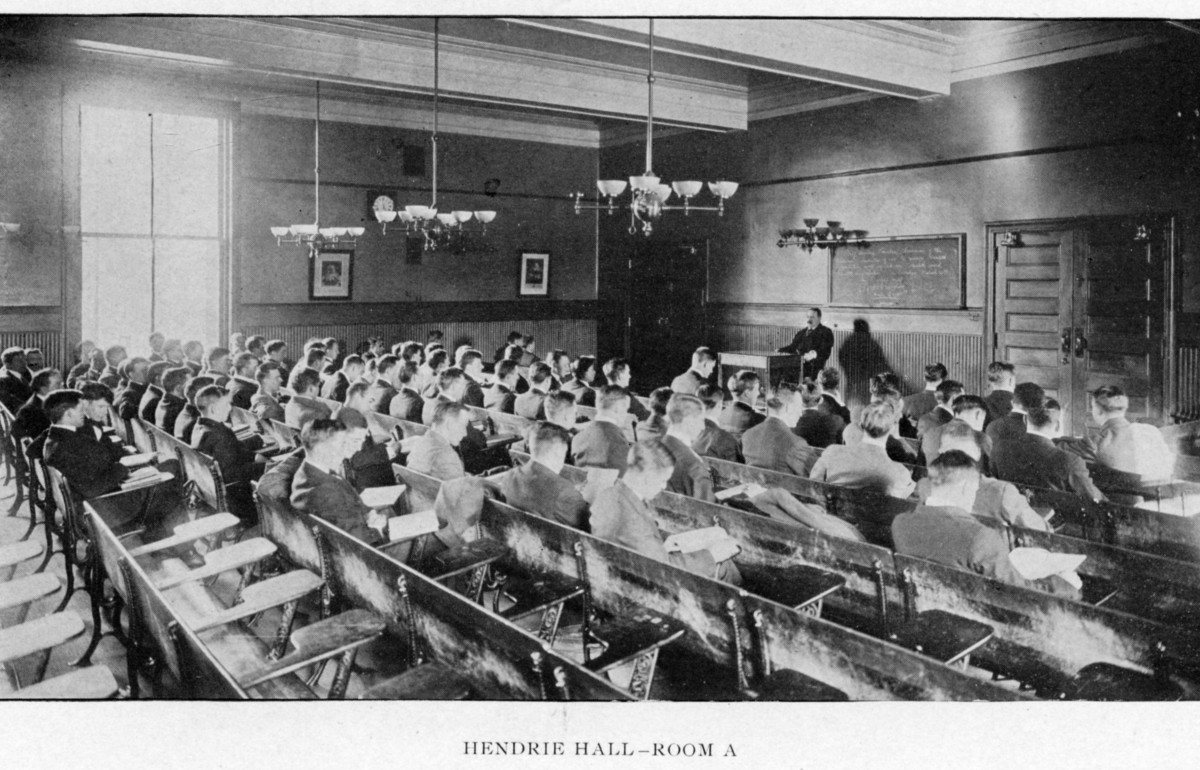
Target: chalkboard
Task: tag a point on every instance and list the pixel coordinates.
(923, 272)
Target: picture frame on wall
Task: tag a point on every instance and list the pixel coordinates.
(535, 274)
(331, 275)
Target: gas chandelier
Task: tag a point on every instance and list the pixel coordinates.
(649, 195)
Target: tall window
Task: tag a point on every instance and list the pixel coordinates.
(151, 224)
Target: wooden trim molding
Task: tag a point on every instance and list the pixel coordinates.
(315, 313)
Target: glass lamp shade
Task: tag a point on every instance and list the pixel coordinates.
(611, 187)
(447, 219)
(385, 216)
(303, 230)
(643, 183)
(822, 232)
(278, 232)
(421, 212)
(686, 189)
(328, 232)
(404, 216)
(833, 225)
(723, 189)
(662, 192)
(462, 216)
(485, 216)
(354, 232)
(811, 223)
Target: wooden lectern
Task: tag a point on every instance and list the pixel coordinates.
(772, 367)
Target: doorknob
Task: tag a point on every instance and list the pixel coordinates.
(1066, 345)
(1081, 343)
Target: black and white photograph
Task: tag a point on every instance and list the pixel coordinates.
(855, 420)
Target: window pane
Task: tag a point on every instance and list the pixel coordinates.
(186, 175)
(187, 284)
(116, 292)
(114, 171)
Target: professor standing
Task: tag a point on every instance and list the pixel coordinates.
(814, 343)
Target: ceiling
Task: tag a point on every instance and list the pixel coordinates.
(567, 79)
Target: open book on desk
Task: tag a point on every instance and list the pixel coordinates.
(412, 525)
(145, 477)
(695, 540)
(134, 460)
(1038, 563)
(749, 489)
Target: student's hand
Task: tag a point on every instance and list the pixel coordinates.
(724, 549)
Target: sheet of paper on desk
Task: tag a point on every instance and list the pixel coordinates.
(695, 539)
(1038, 563)
(132, 461)
(145, 477)
(412, 525)
(749, 489)
(598, 480)
(381, 497)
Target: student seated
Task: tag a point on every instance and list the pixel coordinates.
(704, 360)
(154, 390)
(218, 365)
(471, 362)
(1032, 460)
(1025, 396)
(304, 406)
(97, 400)
(529, 404)
(1125, 446)
(314, 359)
(335, 387)
(91, 468)
(773, 445)
(537, 486)
(741, 416)
(897, 450)
(560, 410)
(831, 396)
(136, 375)
(918, 405)
(434, 453)
(865, 464)
(819, 427)
(501, 396)
(942, 529)
(691, 476)
(31, 419)
(110, 377)
(943, 411)
(969, 409)
(1002, 378)
(407, 404)
(622, 514)
(174, 398)
(426, 381)
(601, 442)
(580, 383)
(242, 386)
(85, 354)
(236, 459)
(318, 490)
(656, 426)
(186, 421)
(387, 370)
(715, 441)
(264, 404)
(618, 372)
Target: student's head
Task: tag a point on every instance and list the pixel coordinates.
(97, 359)
(46, 380)
(172, 350)
(452, 383)
(560, 408)
(174, 380)
(194, 350)
(713, 398)
(1001, 375)
(434, 336)
(195, 385)
(686, 415)
(884, 381)
(935, 373)
(1042, 421)
(528, 343)
(325, 441)
(970, 409)
(1055, 409)
(560, 362)
(540, 375)
(810, 394)
(585, 369)
(958, 435)
(332, 347)
(306, 382)
(35, 360)
(954, 479)
(406, 372)
(218, 360)
(458, 354)
(784, 403)
(97, 398)
(1108, 402)
(650, 465)
(658, 400)
(412, 351)
(65, 407)
(353, 366)
(548, 443)
(450, 421)
(814, 317)
(431, 347)
(213, 402)
(746, 385)
(616, 371)
(877, 419)
(886, 394)
(947, 391)
(703, 360)
(514, 353)
(613, 401)
(356, 428)
(237, 341)
(356, 397)
(1028, 395)
(157, 339)
(471, 362)
(276, 350)
(155, 372)
(113, 355)
(314, 357)
(438, 361)
(244, 364)
(514, 338)
(386, 368)
(506, 372)
(829, 379)
(376, 346)
(136, 370)
(257, 344)
(83, 351)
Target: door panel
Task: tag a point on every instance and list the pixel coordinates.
(666, 310)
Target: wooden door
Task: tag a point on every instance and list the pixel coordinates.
(665, 308)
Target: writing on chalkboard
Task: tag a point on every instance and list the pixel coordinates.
(911, 272)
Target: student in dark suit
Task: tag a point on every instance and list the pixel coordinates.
(617, 372)
(318, 491)
(622, 514)
(601, 443)
(942, 529)
(943, 412)
(257, 344)
(537, 486)
(407, 404)
(1001, 377)
(277, 352)
(97, 403)
(235, 458)
(740, 416)
(831, 396)
(918, 405)
(772, 444)
(174, 398)
(14, 386)
(971, 410)
(1031, 459)
(90, 468)
(83, 362)
(473, 448)
(529, 404)
(337, 383)
(185, 423)
(471, 362)
(434, 453)
(157, 340)
(817, 426)
(656, 426)
(501, 397)
(113, 358)
(1026, 396)
(31, 419)
(387, 367)
(704, 360)
(560, 365)
(865, 464)
(814, 343)
(514, 338)
(265, 403)
(304, 406)
(560, 411)
(313, 360)
(154, 390)
(529, 357)
(685, 422)
(242, 386)
(172, 352)
(218, 365)
(580, 383)
(35, 361)
(136, 374)
(714, 441)
(193, 356)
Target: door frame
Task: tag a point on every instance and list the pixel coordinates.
(1171, 300)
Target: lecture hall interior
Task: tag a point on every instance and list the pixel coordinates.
(734, 340)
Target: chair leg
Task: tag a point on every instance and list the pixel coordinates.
(20, 494)
(284, 632)
(118, 606)
(95, 589)
(643, 675)
(132, 654)
(337, 690)
(48, 524)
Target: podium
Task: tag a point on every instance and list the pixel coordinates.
(772, 367)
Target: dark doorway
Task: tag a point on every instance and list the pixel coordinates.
(665, 305)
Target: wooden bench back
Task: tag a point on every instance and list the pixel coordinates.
(117, 424)
(146, 438)
(499, 422)
(629, 429)
(381, 425)
(199, 470)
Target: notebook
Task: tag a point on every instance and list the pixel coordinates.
(142, 458)
(382, 497)
(1038, 563)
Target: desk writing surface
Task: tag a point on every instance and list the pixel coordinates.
(760, 359)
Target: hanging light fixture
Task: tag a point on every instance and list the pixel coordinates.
(831, 236)
(649, 195)
(439, 228)
(315, 236)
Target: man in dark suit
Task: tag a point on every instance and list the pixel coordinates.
(185, 423)
(265, 403)
(970, 410)
(601, 443)
(514, 338)
(617, 372)
(235, 458)
(943, 412)
(772, 444)
(277, 352)
(174, 383)
(387, 367)
(14, 385)
(529, 404)
(172, 352)
(814, 343)
(580, 384)
(31, 419)
(35, 361)
(452, 384)
(714, 441)
(528, 357)
(685, 422)
(193, 356)
(501, 396)
(818, 427)
(471, 362)
(407, 404)
(917, 405)
(304, 406)
(89, 467)
(335, 387)
(704, 360)
(113, 358)
(242, 386)
(318, 491)
(1001, 377)
(1031, 459)
(157, 340)
(1026, 396)
(943, 530)
(741, 415)
(84, 351)
(434, 453)
(537, 486)
(831, 395)
(136, 374)
(97, 403)
(154, 390)
(560, 366)
(218, 361)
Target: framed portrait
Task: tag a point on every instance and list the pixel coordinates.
(535, 274)
(331, 275)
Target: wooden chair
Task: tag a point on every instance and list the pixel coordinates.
(16, 467)
(91, 683)
(40, 635)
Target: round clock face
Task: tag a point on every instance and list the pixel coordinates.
(384, 203)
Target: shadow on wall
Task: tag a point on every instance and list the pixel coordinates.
(860, 357)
